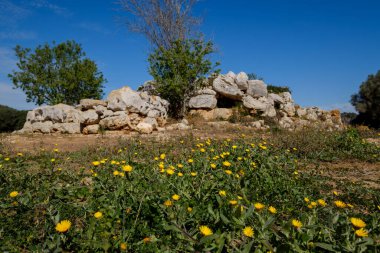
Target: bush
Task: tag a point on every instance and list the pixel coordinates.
(181, 70)
(278, 89)
(11, 119)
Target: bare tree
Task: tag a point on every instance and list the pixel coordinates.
(161, 21)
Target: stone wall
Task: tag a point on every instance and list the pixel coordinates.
(124, 109)
(254, 97)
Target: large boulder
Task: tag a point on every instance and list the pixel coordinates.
(66, 128)
(257, 88)
(59, 113)
(90, 117)
(226, 87)
(86, 104)
(203, 102)
(278, 100)
(126, 99)
(42, 127)
(92, 129)
(241, 80)
(215, 114)
(205, 91)
(118, 121)
(252, 103)
(144, 128)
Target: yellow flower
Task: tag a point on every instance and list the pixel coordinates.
(189, 209)
(6, 159)
(228, 172)
(359, 223)
(19, 154)
(52, 160)
(168, 203)
(361, 232)
(98, 215)
(115, 173)
(321, 202)
(335, 193)
(306, 200)
(272, 209)
(193, 174)
(161, 166)
(190, 161)
(127, 168)
(313, 204)
(170, 171)
(180, 174)
(296, 223)
(96, 163)
(340, 204)
(179, 165)
(162, 156)
(146, 239)
(233, 202)
(63, 226)
(222, 193)
(13, 194)
(176, 197)
(206, 231)
(234, 147)
(202, 150)
(259, 206)
(213, 165)
(123, 246)
(248, 232)
(227, 163)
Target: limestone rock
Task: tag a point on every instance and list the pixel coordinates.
(151, 121)
(205, 91)
(86, 104)
(203, 102)
(289, 109)
(241, 80)
(144, 128)
(286, 123)
(251, 103)
(287, 97)
(42, 127)
(92, 129)
(226, 87)
(215, 114)
(231, 75)
(59, 113)
(118, 121)
(301, 112)
(126, 99)
(90, 117)
(276, 98)
(66, 128)
(257, 88)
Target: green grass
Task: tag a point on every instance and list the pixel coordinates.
(132, 203)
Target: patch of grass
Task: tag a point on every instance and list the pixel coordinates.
(124, 198)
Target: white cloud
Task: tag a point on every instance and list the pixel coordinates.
(13, 98)
(11, 13)
(59, 10)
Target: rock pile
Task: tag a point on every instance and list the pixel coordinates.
(254, 96)
(124, 109)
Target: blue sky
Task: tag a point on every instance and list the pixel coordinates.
(321, 49)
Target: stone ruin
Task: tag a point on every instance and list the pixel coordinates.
(227, 91)
(129, 110)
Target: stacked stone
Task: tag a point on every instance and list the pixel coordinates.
(124, 109)
(254, 96)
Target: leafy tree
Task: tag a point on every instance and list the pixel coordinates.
(57, 74)
(180, 70)
(367, 102)
(11, 119)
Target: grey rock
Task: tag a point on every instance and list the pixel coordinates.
(241, 80)
(226, 87)
(203, 102)
(86, 104)
(116, 122)
(92, 129)
(90, 117)
(257, 88)
(144, 128)
(66, 128)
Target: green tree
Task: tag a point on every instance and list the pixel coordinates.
(180, 70)
(57, 74)
(367, 102)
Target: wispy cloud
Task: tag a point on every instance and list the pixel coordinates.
(59, 10)
(17, 35)
(7, 60)
(13, 97)
(11, 13)
(94, 27)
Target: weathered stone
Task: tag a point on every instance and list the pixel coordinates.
(178, 126)
(301, 112)
(66, 128)
(251, 103)
(144, 128)
(42, 127)
(286, 123)
(151, 121)
(226, 87)
(116, 122)
(231, 75)
(289, 109)
(86, 104)
(311, 114)
(90, 117)
(205, 91)
(278, 100)
(92, 129)
(125, 99)
(203, 102)
(257, 88)
(215, 114)
(287, 97)
(241, 80)
(59, 113)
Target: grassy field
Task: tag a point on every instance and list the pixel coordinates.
(277, 192)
